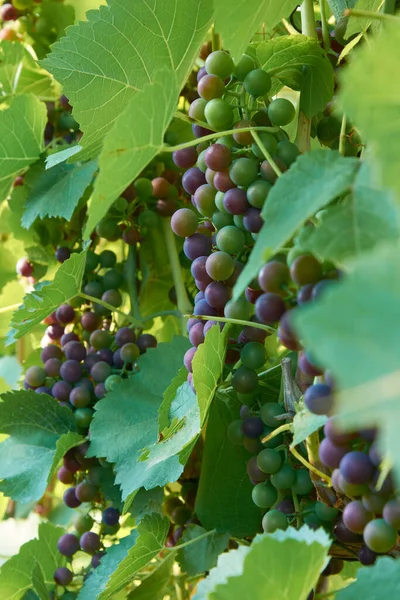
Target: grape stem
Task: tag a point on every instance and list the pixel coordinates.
(215, 40)
(325, 30)
(109, 307)
(342, 136)
(275, 432)
(310, 467)
(218, 134)
(233, 321)
(369, 14)
(183, 303)
(189, 542)
(308, 27)
(266, 154)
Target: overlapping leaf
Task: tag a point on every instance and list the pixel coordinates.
(373, 583)
(20, 73)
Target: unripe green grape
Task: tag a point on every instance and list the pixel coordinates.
(379, 536)
(220, 266)
(284, 478)
(268, 141)
(303, 484)
(243, 67)
(221, 219)
(257, 83)
(219, 202)
(143, 187)
(238, 309)
(264, 495)
(234, 432)
(230, 239)
(83, 417)
(219, 63)
(219, 114)
(287, 152)
(324, 512)
(243, 171)
(257, 193)
(281, 112)
(83, 523)
(112, 382)
(273, 520)
(253, 355)
(269, 412)
(197, 108)
(244, 380)
(269, 461)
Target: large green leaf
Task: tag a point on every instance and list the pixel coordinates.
(200, 556)
(41, 431)
(208, 363)
(224, 495)
(134, 139)
(237, 22)
(20, 73)
(44, 300)
(287, 562)
(372, 101)
(56, 192)
(40, 554)
(314, 180)
(132, 410)
(374, 583)
(300, 63)
(153, 587)
(116, 53)
(354, 330)
(24, 119)
(365, 219)
(357, 24)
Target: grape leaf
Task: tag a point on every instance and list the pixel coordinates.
(25, 119)
(168, 398)
(41, 432)
(293, 557)
(207, 364)
(314, 180)
(359, 316)
(38, 583)
(237, 22)
(339, 6)
(16, 573)
(146, 502)
(117, 51)
(132, 409)
(305, 424)
(373, 583)
(300, 63)
(153, 587)
(224, 499)
(56, 192)
(40, 303)
(357, 24)
(365, 219)
(151, 535)
(375, 114)
(20, 73)
(134, 139)
(200, 556)
(59, 157)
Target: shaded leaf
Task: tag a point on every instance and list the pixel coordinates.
(373, 583)
(153, 587)
(200, 556)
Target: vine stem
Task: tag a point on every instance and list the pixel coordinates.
(311, 467)
(275, 432)
(342, 136)
(215, 40)
(308, 19)
(352, 12)
(233, 321)
(130, 273)
(190, 542)
(266, 154)
(217, 134)
(325, 30)
(183, 303)
(109, 307)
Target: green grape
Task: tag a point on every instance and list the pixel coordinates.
(324, 512)
(281, 112)
(243, 67)
(273, 442)
(244, 380)
(269, 461)
(219, 63)
(148, 218)
(243, 171)
(264, 495)
(83, 523)
(143, 187)
(257, 193)
(268, 141)
(273, 520)
(253, 355)
(230, 239)
(379, 536)
(238, 309)
(312, 520)
(284, 478)
(92, 261)
(112, 382)
(268, 413)
(197, 108)
(328, 129)
(257, 83)
(219, 114)
(234, 432)
(220, 266)
(219, 202)
(221, 219)
(287, 152)
(238, 221)
(303, 484)
(83, 417)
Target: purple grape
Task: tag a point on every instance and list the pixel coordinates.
(356, 467)
(188, 359)
(75, 351)
(24, 267)
(100, 371)
(245, 411)
(192, 179)
(286, 333)
(68, 544)
(96, 559)
(90, 542)
(65, 314)
(110, 516)
(70, 498)
(366, 556)
(80, 397)
(254, 334)
(55, 331)
(337, 438)
(43, 389)
(91, 359)
(235, 201)
(85, 492)
(254, 473)
(90, 321)
(199, 131)
(252, 220)
(304, 294)
(185, 158)
(252, 427)
(318, 399)
(218, 157)
(356, 516)
(68, 337)
(197, 245)
(71, 370)
(307, 366)
(35, 376)
(63, 576)
(145, 341)
(50, 351)
(286, 506)
(198, 270)
(222, 182)
(61, 391)
(209, 324)
(203, 308)
(125, 335)
(269, 308)
(196, 334)
(331, 455)
(100, 390)
(106, 355)
(217, 294)
(344, 535)
(65, 476)
(62, 254)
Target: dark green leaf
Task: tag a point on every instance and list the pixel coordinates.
(37, 305)
(146, 502)
(305, 424)
(374, 583)
(314, 180)
(200, 556)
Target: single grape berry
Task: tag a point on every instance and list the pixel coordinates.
(68, 544)
(306, 269)
(356, 467)
(63, 576)
(318, 399)
(379, 536)
(110, 516)
(252, 427)
(273, 520)
(65, 314)
(90, 542)
(244, 380)
(281, 112)
(257, 83)
(219, 63)
(24, 267)
(62, 254)
(70, 498)
(264, 495)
